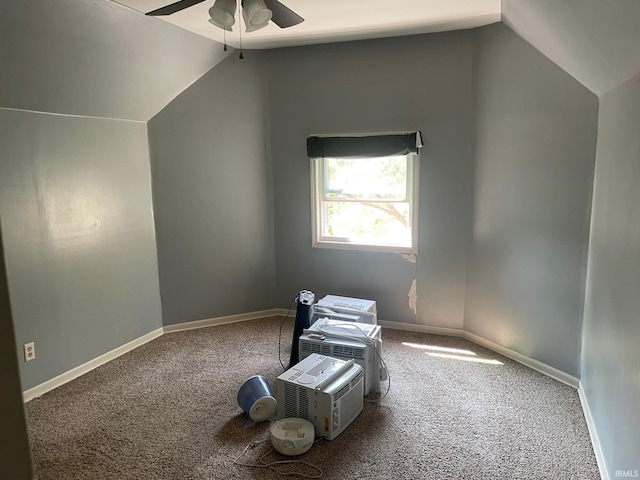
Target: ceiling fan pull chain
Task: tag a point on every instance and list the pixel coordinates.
(241, 56)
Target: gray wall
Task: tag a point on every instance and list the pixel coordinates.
(15, 460)
(76, 191)
(610, 368)
(213, 196)
(75, 201)
(535, 148)
(95, 58)
(408, 83)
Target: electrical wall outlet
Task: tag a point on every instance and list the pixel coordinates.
(29, 351)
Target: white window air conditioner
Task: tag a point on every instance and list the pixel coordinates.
(346, 309)
(324, 390)
(345, 341)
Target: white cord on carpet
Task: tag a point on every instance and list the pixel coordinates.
(272, 465)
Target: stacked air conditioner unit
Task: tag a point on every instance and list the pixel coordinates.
(346, 309)
(347, 340)
(324, 390)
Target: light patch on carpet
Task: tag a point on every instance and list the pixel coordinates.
(466, 359)
(439, 349)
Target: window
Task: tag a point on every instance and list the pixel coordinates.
(365, 203)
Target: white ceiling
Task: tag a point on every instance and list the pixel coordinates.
(338, 20)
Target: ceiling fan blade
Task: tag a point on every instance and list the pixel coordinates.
(282, 15)
(174, 7)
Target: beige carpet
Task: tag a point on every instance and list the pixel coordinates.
(168, 411)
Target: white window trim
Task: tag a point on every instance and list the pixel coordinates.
(413, 174)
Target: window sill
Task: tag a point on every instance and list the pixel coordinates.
(362, 247)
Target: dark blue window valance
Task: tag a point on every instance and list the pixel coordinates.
(364, 146)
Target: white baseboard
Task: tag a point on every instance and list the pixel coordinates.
(435, 330)
(55, 382)
(593, 433)
(210, 322)
(520, 358)
(69, 375)
(513, 355)
(76, 372)
(416, 327)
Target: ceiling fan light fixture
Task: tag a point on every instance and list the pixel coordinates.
(223, 13)
(256, 14)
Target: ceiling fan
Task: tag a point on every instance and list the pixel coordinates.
(256, 13)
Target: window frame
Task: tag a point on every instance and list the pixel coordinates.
(318, 201)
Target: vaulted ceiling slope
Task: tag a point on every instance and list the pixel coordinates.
(595, 41)
(95, 58)
(99, 58)
(327, 21)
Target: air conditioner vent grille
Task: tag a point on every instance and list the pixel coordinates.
(290, 401)
(340, 393)
(355, 381)
(348, 351)
(320, 348)
(304, 403)
(350, 407)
